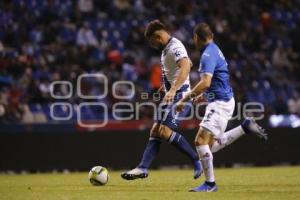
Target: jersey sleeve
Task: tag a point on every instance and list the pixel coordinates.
(179, 52)
(207, 64)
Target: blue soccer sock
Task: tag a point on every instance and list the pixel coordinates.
(150, 152)
(182, 145)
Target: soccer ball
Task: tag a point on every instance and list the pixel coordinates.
(98, 176)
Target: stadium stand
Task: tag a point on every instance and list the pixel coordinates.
(46, 41)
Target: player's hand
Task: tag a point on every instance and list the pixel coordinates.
(199, 99)
(179, 106)
(169, 97)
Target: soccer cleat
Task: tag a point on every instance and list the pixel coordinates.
(204, 188)
(251, 127)
(197, 169)
(135, 174)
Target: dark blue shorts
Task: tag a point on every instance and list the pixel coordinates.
(167, 115)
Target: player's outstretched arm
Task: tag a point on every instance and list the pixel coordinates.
(203, 85)
(185, 66)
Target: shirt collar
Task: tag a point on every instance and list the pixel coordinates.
(168, 43)
(203, 48)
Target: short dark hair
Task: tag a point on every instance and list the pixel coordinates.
(203, 31)
(153, 26)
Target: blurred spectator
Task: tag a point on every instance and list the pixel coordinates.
(280, 56)
(122, 4)
(294, 103)
(85, 5)
(86, 37)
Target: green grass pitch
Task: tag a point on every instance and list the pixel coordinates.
(238, 183)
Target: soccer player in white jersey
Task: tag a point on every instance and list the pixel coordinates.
(175, 71)
(215, 86)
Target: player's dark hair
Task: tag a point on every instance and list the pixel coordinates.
(153, 26)
(203, 31)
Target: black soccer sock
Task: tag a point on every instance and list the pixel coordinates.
(211, 184)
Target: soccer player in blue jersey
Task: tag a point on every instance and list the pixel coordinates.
(215, 86)
(176, 66)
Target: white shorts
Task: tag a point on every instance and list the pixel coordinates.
(217, 115)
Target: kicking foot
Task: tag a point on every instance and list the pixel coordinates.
(135, 174)
(197, 169)
(251, 127)
(205, 188)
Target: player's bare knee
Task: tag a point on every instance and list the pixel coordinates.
(164, 132)
(161, 132)
(203, 137)
(199, 140)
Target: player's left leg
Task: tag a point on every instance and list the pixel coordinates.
(226, 139)
(249, 126)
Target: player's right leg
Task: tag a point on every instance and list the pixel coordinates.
(203, 139)
(169, 131)
(213, 125)
(179, 142)
(150, 152)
